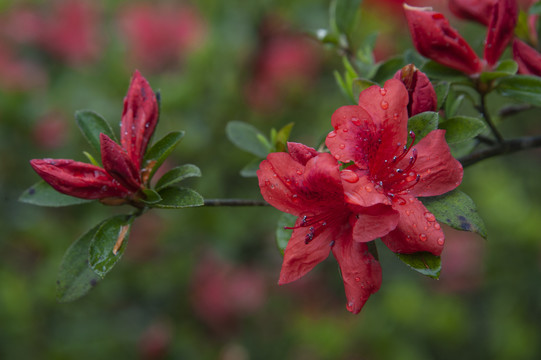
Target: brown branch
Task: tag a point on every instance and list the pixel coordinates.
(235, 202)
(505, 147)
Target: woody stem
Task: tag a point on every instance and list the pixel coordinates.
(504, 147)
(488, 120)
(235, 202)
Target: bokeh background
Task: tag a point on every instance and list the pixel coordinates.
(201, 283)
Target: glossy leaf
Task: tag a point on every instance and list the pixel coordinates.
(75, 277)
(157, 154)
(283, 235)
(42, 194)
(344, 87)
(437, 71)
(245, 137)
(462, 128)
(108, 244)
(344, 15)
(92, 125)
(504, 68)
(452, 103)
(457, 210)
(152, 197)
(176, 175)
(423, 123)
(423, 262)
(387, 69)
(524, 88)
(442, 90)
(177, 198)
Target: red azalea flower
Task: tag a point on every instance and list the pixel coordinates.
(309, 185)
(434, 38)
(422, 96)
(476, 10)
(527, 58)
(121, 175)
(374, 136)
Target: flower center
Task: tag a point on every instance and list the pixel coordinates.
(394, 180)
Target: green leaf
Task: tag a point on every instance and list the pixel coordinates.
(359, 85)
(504, 68)
(42, 194)
(250, 170)
(437, 71)
(346, 90)
(442, 90)
(157, 154)
(245, 137)
(387, 69)
(344, 15)
(75, 277)
(177, 198)
(108, 244)
(326, 37)
(283, 235)
(281, 138)
(92, 125)
(462, 128)
(423, 123)
(152, 197)
(535, 9)
(423, 262)
(176, 175)
(91, 158)
(524, 88)
(457, 210)
(453, 102)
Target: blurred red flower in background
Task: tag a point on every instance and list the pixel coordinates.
(158, 36)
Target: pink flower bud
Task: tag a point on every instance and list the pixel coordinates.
(500, 29)
(527, 58)
(435, 39)
(476, 10)
(117, 163)
(78, 179)
(422, 96)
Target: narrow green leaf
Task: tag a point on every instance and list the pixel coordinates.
(457, 210)
(282, 137)
(423, 123)
(92, 125)
(250, 170)
(437, 71)
(524, 88)
(108, 244)
(345, 15)
(156, 155)
(423, 262)
(504, 68)
(462, 128)
(177, 198)
(453, 102)
(283, 235)
(346, 90)
(176, 175)
(442, 89)
(42, 194)
(245, 137)
(75, 277)
(91, 158)
(152, 197)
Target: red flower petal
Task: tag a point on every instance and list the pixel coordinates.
(139, 118)
(369, 133)
(435, 39)
(374, 222)
(440, 172)
(360, 271)
(362, 192)
(300, 257)
(422, 96)
(118, 164)
(500, 30)
(300, 152)
(78, 179)
(476, 10)
(527, 58)
(417, 229)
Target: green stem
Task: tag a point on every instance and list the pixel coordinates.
(488, 120)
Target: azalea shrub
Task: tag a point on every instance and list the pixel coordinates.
(377, 176)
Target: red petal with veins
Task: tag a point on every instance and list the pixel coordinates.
(362, 192)
(361, 273)
(417, 229)
(476, 10)
(370, 132)
(374, 222)
(300, 258)
(300, 152)
(118, 164)
(501, 29)
(139, 118)
(435, 39)
(78, 179)
(527, 58)
(440, 172)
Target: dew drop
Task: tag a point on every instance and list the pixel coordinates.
(396, 116)
(345, 130)
(368, 188)
(295, 198)
(408, 212)
(147, 125)
(332, 134)
(299, 172)
(275, 175)
(429, 216)
(337, 157)
(356, 121)
(384, 105)
(357, 279)
(349, 306)
(383, 91)
(408, 238)
(437, 226)
(423, 237)
(441, 241)
(349, 176)
(342, 146)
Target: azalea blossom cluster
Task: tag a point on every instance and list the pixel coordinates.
(365, 188)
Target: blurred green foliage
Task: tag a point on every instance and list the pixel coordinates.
(486, 305)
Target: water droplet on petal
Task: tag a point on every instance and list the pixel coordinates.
(429, 216)
(299, 172)
(423, 237)
(332, 134)
(337, 157)
(396, 116)
(357, 279)
(437, 226)
(349, 176)
(441, 241)
(368, 188)
(342, 146)
(349, 306)
(356, 121)
(408, 212)
(384, 105)
(345, 130)
(383, 91)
